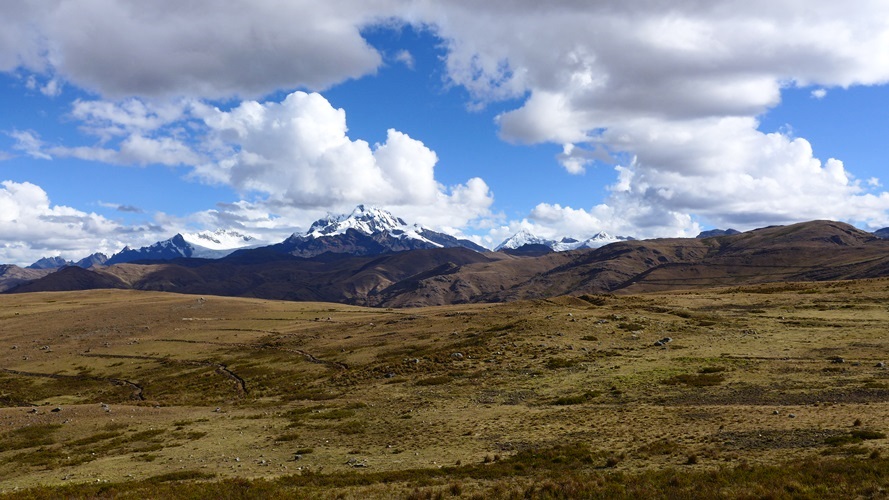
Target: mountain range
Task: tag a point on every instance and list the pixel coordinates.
(364, 231)
(525, 238)
(811, 251)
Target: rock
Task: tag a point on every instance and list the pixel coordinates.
(457, 355)
(837, 360)
(56, 409)
(881, 365)
(663, 341)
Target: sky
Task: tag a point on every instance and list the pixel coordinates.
(125, 122)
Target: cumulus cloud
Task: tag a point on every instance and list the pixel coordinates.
(668, 94)
(32, 227)
(678, 89)
(297, 153)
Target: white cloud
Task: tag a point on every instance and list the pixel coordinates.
(135, 150)
(819, 94)
(28, 142)
(298, 154)
(678, 87)
(202, 48)
(31, 227)
(53, 88)
(107, 119)
(406, 58)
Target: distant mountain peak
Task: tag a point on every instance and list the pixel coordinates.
(221, 239)
(521, 238)
(525, 237)
(367, 230)
(368, 220)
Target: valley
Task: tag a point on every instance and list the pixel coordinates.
(742, 391)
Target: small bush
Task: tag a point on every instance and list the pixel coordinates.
(350, 428)
(711, 369)
(868, 434)
(556, 363)
(184, 475)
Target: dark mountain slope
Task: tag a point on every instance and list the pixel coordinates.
(819, 250)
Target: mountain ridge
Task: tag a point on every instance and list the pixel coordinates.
(817, 250)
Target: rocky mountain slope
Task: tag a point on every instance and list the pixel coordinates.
(819, 250)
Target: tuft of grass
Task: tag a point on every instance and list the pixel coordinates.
(696, 380)
(556, 363)
(854, 437)
(185, 475)
(28, 437)
(576, 399)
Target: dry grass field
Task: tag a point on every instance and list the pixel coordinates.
(775, 390)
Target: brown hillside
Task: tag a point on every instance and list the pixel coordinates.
(811, 251)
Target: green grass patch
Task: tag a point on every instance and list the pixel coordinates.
(556, 363)
(695, 379)
(28, 437)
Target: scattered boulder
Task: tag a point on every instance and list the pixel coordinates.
(457, 355)
(663, 341)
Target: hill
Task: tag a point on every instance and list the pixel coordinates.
(745, 391)
(811, 251)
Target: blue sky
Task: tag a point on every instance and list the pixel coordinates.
(565, 119)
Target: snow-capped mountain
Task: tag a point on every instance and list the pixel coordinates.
(219, 241)
(366, 231)
(524, 237)
(368, 220)
(202, 245)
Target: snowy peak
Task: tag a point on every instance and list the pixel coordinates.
(366, 231)
(220, 239)
(367, 220)
(524, 237)
(203, 245)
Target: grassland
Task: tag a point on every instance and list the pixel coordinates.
(772, 390)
